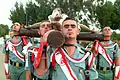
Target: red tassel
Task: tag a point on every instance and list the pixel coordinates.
(24, 40)
(32, 57)
(38, 58)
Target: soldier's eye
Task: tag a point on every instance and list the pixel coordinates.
(66, 26)
(49, 25)
(72, 25)
(43, 26)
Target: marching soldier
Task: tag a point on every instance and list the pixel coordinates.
(108, 57)
(39, 71)
(69, 61)
(14, 57)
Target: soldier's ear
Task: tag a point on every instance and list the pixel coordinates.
(78, 28)
(78, 31)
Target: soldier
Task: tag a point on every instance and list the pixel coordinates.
(108, 57)
(14, 58)
(69, 61)
(44, 27)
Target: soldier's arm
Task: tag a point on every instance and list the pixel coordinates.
(6, 64)
(56, 25)
(5, 51)
(6, 58)
(28, 66)
(28, 75)
(94, 50)
(28, 71)
(117, 69)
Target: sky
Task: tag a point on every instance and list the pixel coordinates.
(7, 5)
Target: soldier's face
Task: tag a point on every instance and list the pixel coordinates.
(16, 27)
(107, 31)
(70, 29)
(44, 27)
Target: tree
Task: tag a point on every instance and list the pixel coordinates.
(31, 13)
(106, 15)
(18, 15)
(44, 9)
(3, 30)
(88, 14)
(71, 8)
(115, 36)
(117, 21)
(95, 13)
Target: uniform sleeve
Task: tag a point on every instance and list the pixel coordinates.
(49, 50)
(46, 75)
(117, 54)
(5, 49)
(93, 74)
(28, 63)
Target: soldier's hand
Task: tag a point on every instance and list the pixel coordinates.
(8, 76)
(56, 25)
(39, 33)
(116, 78)
(44, 38)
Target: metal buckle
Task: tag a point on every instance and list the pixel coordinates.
(104, 68)
(17, 64)
(87, 72)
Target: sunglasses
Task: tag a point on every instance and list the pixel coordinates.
(67, 25)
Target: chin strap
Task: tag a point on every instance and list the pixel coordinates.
(117, 72)
(6, 68)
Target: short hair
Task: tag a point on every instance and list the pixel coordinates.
(44, 21)
(68, 18)
(15, 24)
(107, 26)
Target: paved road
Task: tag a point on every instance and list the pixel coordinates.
(2, 75)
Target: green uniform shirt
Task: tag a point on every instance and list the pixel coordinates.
(78, 68)
(113, 51)
(31, 64)
(15, 56)
(12, 55)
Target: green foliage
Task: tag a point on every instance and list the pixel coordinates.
(106, 15)
(3, 30)
(117, 6)
(45, 8)
(18, 15)
(70, 7)
(31, 13)
(115, 36)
